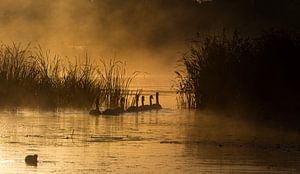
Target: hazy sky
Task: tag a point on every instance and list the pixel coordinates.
(149, 34)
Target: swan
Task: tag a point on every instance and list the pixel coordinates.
(96, 111)
(150, 99)
(143, 107)
(156, 105)
(117, 110)
(146, 107)
(31, 160)
(136, 107)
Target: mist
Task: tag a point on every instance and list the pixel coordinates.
(210, 86)
(149, 35)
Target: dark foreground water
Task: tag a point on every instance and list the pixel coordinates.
(168, 141)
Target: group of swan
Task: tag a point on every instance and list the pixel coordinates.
(121, 109)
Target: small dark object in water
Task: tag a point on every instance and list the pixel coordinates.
(220, 145)
(31, 160)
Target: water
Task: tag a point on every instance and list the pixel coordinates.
(167, 141)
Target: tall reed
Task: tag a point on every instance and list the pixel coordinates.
(115, 82)
(32, 77)
(228, 70)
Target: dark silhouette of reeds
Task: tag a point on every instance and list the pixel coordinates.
(33, 78)
(229, 70)
(115, 83)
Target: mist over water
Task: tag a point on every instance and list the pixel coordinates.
(139, 32)
(149, 35)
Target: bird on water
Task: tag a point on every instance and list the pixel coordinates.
(31, 160)
(136, 107)
(97, 110)
(117, 110)
(146, 107)
(157, 105)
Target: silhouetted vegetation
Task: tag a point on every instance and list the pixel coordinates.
(228, 70)
(33, 78)
(115, 83)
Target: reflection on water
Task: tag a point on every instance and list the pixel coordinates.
(168, 141)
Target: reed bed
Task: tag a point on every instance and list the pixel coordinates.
(32, 77)
(230, 70)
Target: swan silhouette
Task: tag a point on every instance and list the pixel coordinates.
(96, 111)
(117, 110)
(31, 160)
(156, 105)
(136, 107)
(146, 107)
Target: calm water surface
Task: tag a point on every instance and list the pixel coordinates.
(168, 141)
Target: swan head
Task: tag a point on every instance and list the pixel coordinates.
(157, 95)
(143, 100)
(150, 99)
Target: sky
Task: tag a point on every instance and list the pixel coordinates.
(150, 35)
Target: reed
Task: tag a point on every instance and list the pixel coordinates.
(227, 70)
(32, 77)
(116, 83)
